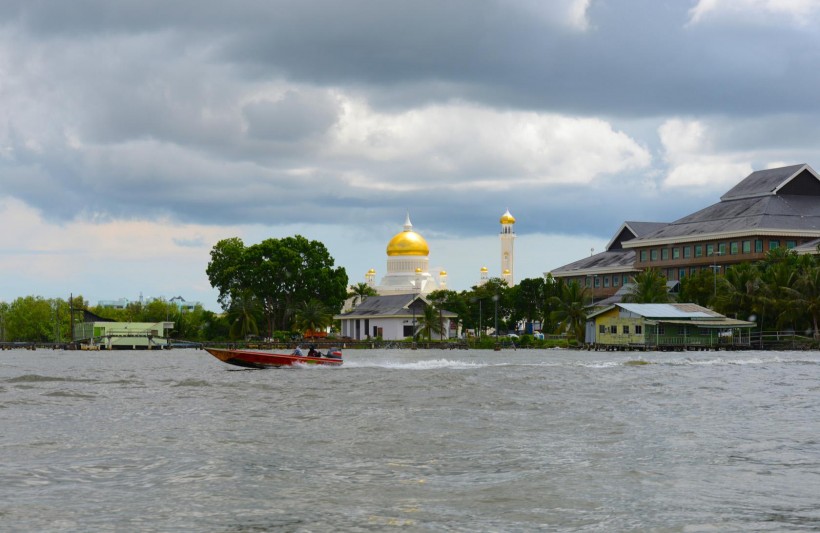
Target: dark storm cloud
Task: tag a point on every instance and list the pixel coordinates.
(265, 111)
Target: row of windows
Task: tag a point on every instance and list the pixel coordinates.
(614, 280)
(708, 250)
(613, 330)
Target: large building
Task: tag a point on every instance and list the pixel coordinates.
(768, 209)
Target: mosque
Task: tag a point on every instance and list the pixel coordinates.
(408, 262)
(393, 314)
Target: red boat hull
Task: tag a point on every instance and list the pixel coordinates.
(251, 359)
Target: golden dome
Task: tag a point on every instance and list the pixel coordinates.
(408, 242)
(507, 218)
(418, 270)
(442, 273)
(484, 269)
(371, 271)
(506, 271)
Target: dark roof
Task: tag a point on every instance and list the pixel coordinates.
(765, 182)
(630, 230)
(783, 213)
(616, 259)
(392, 305)
(88, 316)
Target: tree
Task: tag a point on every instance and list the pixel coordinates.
(446, 300)
(528, 299)
(739, 293)
(311, 316)
(280, 273)
(697, 288)
(649, 288)
(361, 291)
(806, 296)
(242, 315)
(429, 322)
(569, 315)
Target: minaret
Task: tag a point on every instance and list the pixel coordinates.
(484, 276)
(442, 280)
(370, 277)
(507, 236)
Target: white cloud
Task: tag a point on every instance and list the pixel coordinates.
(692, 159)
(799, 11)
(485, 146)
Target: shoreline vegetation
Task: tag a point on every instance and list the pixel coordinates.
(281, 290)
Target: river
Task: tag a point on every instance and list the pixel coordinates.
(426, 440)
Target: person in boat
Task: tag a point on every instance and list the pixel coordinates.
(334, 353)
(313, 352)
(298, 351)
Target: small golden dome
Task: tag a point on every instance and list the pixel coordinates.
(442, 273)
(507, 218)
(418, 270)
(371, 271)
(484, 269)
(408, 242)
(506, 271)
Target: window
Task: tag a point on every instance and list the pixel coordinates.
(710, 249)
(643, 256)
(613, 330)
(606, 281)
(638, 329)
(681, 273)
(747, 247)
(597, 282)
(653, 255)
(665, 254)
(626, 279)
(615, 280)
(733, 248)
(698, 250)
(759, 246)
(722, 248)
(687, 252)
(774, 244)
(675, 253)
(791, 244)
(601, 329)
(661, 330)
(587, 282)
(626, 330)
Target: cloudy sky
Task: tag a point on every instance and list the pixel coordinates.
(136, 134)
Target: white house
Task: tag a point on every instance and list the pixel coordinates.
(393, 317)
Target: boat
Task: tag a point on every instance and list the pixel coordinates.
(254, 359)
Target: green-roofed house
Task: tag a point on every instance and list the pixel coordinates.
(664, 327)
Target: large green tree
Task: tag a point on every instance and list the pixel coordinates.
(280, 273)
(569, 314)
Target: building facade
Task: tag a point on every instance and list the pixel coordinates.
(768, 209)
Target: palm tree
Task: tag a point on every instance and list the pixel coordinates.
(312, 315)
(242, 315)
(429, 322)
(806, 295)
(569, 311)
(361, 291)
(740, 292)
(649, 288)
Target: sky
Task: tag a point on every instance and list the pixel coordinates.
(134, 135)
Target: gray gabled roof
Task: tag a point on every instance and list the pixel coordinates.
(610, 261)
(392, 305)
(614, 258)
(767, 182)
(778, 200)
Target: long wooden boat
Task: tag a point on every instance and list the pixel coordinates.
(252, 359)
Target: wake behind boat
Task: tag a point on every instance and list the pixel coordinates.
(253, 359)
